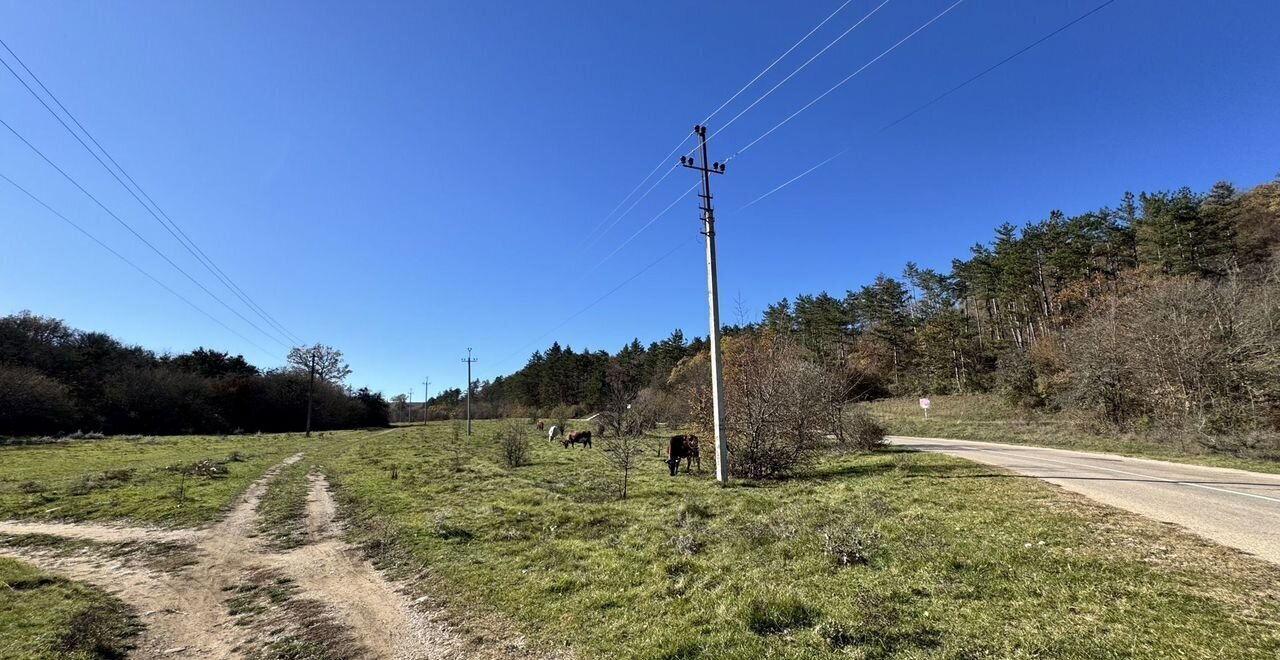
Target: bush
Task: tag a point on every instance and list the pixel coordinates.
(514, 442)
(779, 404)
(859, 431)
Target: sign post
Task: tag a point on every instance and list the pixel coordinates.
(924, 405)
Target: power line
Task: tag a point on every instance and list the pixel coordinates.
(943, 95)
(819, 98)
(592, 304)
(779, 59)
(171, 226)
(997, 65)
(648, 176)
(638, 200)
(645, 226)
(127, 226)
(131, 264)
(800, 68)
(846, 79)
(792, 180)
(592, 237)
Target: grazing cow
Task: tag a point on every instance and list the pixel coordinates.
(541, 426)
(551, 435)
(683, 447)
(578, 438)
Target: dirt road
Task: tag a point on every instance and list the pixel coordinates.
(1233, 507)
(187, 611)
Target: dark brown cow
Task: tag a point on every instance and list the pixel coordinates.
(578, 438)
(683, 447)
(541, 426)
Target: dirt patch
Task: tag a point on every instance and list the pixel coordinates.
(237, 598)
(322, 513)
(99, 533)
(334, 573)
(182, 610)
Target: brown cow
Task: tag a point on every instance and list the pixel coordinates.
(683, 447)
(541, 426)
(578, 438)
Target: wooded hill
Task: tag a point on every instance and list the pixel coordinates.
(1162, 312)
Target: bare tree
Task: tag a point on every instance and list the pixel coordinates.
(618, 397)
(318, 361)
(623, 453)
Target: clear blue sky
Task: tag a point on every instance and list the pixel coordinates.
(405, 180)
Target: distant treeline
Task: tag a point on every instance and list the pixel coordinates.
(56, 380)
(1160, 313)
(563, 382)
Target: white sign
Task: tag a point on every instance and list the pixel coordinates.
(924, 403)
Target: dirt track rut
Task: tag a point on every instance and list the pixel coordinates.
(185, 613)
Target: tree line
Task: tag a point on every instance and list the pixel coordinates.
(56, 380)
(1159, 313)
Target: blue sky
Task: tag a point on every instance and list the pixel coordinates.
(405, 180)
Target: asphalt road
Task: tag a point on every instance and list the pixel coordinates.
(1233, 507)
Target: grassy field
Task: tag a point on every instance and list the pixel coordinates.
(139, 480)
(889, 555)
(45, 617)
(988, 418)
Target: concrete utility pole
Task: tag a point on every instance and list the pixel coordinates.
(713, 299)
(469, 360)
(426, 396)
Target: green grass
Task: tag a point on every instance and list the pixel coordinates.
(987, 418)
(947, 561)
(282, 511)
(42, 616)
(133, 479)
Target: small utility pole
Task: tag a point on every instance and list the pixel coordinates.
(469, 360)
(426, 396)
(713, 299)
(311, 387)
(410, 411)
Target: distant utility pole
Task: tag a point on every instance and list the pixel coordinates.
(469, 360)
(410, 405)
(713, 299)
(426, 396)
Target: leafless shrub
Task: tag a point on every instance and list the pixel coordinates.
(514, 442)
(779, 404)
(1194, 356)
(859, 431)
(623, 453)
